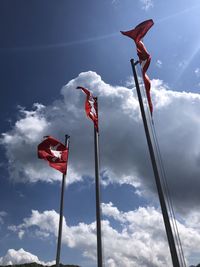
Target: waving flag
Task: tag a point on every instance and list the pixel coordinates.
(54, 152)
(90, 106)
(144, 57)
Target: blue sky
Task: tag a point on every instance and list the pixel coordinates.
(47, 49)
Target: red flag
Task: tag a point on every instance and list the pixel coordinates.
(91, 108)
(54, 152)
(140, 30)
(137, 34)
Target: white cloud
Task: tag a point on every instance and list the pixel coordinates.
(123, 149)
(197, 72)
(182, 64)
(63, 116)
(21, 234)
(159, 63)
(21, 147)
(2, 215)
(21, 256)
(140, 242)
(146, 4)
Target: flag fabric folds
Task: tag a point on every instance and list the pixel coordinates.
(144, 57)
(54, 152)
(91, 107)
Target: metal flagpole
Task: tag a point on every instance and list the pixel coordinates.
(67, 139)
(97, 187)
(170, 236)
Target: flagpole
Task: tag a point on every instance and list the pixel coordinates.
(168, 228)
(97, 189)
(67, 140)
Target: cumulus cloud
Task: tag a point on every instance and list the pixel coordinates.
(197, 72)
(146, 4)
(123, 150)
(182, 64)
(114, 1)
(21, 256)
(46, 224)
(2, 215)
(64, 116)
(141, 240)
(159, 63)
(21, 146)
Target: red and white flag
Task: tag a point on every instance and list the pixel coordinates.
(91, 108)
(54, 152)
(137, 34)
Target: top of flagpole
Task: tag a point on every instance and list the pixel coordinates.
(67, 140)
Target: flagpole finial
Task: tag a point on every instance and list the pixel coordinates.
(79, 87)
(45, 136)
(67, 140)
(134, 62)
